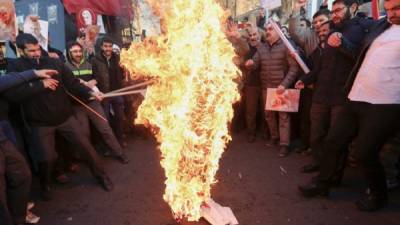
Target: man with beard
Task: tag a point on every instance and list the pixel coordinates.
(371, 112)
(252, 86)
(277, 70)
(82, 70)
(49, 110)
(306, 37)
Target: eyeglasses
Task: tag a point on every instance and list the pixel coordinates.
(337, 11)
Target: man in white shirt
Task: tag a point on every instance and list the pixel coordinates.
(371, 115)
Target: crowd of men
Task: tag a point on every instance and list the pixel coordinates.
(350, 99)
(349, 106)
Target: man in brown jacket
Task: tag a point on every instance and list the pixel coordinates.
(278, 70)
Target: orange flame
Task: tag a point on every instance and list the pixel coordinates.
(190, 105)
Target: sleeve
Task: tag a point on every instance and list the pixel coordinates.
(14, 79)
(312, 76)
(24, 91)
(97, 75)
(73, 85)
(348, 49)
(301, 35)
(257, 59)
(293, 71)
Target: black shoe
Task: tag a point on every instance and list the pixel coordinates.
(313, 189)
(310, 168)
(46, 193)
(283, 151)
(123, 159)
(371, 202)
(251, 138)
(106, 183)
(272, 143)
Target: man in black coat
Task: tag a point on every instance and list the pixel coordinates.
(47, 109)
(372, 112)
(15, 176)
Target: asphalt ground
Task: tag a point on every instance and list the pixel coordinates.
(260, 187)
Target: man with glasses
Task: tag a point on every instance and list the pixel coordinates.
(370, 114)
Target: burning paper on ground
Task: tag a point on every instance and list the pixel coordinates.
(215, 214)
(190, 105)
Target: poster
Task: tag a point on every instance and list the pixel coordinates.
(8, 25)
(38, 28)
(52, 14)
(286, 102)
(270, 4)
(86, 17)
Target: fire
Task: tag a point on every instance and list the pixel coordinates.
(190, 105)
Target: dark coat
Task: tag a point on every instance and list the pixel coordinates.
(109, 75)
(376, 30)
(41, 106)
(332, 70)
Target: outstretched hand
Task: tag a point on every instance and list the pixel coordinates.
(45, 73)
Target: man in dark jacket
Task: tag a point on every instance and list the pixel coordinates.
(82, 70)
(372, 112)
(277, 70)
(15, 175)
(331, 72)
(109, 77)
(49, 110)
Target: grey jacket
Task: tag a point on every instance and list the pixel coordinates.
(276, 65)
(306, 38)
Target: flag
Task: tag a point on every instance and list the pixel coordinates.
(103, 7)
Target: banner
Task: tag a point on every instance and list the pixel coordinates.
(8, 25)
(104, 7)
(39, 29)
(84, 18)
(270, 4)
(286, 102)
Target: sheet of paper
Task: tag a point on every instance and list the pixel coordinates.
(286, 102)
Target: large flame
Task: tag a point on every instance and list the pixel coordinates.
(190, 105)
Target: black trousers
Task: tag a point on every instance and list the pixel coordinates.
(373, 124)
(15, 184)
(43, 147)
(323, 117)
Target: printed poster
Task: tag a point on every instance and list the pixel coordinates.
(38, 28)
(270, 4)
(286, 102)
(8, 25)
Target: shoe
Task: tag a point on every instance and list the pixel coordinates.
(370, 203)
(310, 168)
(106, 183)
(62, 179)
(307, 152)
(123, 159)
(46, 193)
(74, 168)
(272, 143)
(283, 151)
(393, 183)
(313, 189)
(251, 138)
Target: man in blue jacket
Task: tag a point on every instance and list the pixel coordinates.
(15, 176)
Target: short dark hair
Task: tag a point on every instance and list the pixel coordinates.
(330, 23)
(347, 3)
(308, 23)
(24, 39)
(321, 12)
(106, 39)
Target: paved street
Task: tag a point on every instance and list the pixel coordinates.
(259, 187)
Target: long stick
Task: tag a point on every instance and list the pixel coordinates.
(87, 107)
(132, 86)
(290, 47)
(108, 95)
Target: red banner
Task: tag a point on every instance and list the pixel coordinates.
(104, 7)
(375, 9)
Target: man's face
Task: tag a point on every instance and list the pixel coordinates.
(271, 34)
(32, 51)
(324, 32)
(392, 8)
(254, 37)
(76, 54)
(107, 49)
(340, 13)
(317, 21)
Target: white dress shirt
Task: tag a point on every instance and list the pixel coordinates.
(378, 80)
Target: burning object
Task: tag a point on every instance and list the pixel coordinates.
(190, 105)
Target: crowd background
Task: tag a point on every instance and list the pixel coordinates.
(348, 116)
